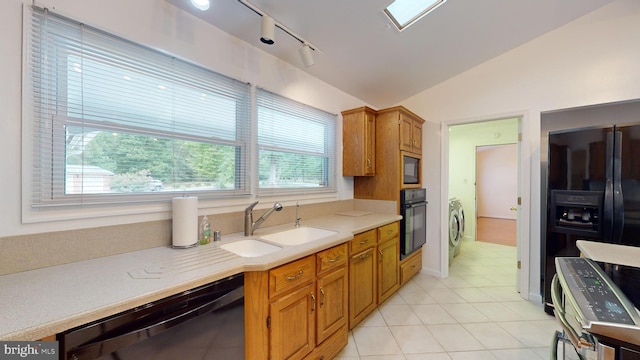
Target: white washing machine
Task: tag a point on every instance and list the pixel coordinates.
(457, 206)
(454, 230)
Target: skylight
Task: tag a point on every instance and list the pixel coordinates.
(405, 12)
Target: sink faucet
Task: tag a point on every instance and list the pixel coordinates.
(249, 224)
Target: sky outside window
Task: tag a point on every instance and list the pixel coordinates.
(405, 12)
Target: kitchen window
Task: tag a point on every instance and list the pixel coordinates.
(296, 146)
(116, 121)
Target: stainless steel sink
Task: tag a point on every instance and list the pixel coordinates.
(250, 248)
(298, 236)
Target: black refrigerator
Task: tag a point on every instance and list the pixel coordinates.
(593, 192)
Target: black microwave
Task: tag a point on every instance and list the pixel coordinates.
(410, 169)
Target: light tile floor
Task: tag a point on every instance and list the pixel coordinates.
(476, 313)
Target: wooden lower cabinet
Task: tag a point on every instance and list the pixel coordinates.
(331, 347)
(410, 266)
(332, 307)
(293, 324)
(388, 260)
(388, 270)
(304, 309)
(362, 280)
(298, 310)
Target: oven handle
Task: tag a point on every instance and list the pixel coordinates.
(416, 204)
(554, 345)
(98, 348)
(560, 314)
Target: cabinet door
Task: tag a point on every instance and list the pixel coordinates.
(410, 134)
(406, 130)
(362, 286)
(388, 268)
(369, 144)
(416, 137)
(293, 324)
(359, 142)
(332, 303)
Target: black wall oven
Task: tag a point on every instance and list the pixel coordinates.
(413, 226)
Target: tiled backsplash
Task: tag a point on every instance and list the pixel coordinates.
(27, 252)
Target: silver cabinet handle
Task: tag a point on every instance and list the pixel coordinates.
(321, 297)
(332, 260)
(313, 302)
(364, 242)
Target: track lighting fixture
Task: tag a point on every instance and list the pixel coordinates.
(267, 30)
(306, 55)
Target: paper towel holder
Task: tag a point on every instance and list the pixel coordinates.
(183, 222)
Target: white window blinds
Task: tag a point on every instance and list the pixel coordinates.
(296, 145)
(116, 121)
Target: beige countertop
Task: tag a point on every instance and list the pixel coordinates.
(610, 253)
(43, 302)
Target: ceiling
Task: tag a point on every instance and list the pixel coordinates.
(362, 54)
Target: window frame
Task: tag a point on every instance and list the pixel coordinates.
(295, 108)
(48, 187)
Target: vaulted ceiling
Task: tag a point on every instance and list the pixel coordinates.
(363, 54)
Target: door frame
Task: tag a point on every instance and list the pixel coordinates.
(524, 190)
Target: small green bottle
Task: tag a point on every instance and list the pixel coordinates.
(205, 231)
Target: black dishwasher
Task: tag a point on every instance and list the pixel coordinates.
(203, 323)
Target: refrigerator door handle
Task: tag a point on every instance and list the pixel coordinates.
(618, 201)
(607, 212)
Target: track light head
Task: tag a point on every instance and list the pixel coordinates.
(267, 30)
(306, 55)
(201, 5)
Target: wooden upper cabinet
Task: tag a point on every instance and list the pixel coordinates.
(359, 142)
(410, 132)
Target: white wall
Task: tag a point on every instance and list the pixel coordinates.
(159, 25)
(589, 61)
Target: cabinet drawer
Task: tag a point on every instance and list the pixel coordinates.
(410, 266)
(388, 232)
(290, 275)
(363, 241)
(331, 258)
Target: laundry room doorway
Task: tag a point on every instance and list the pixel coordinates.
(464, 142)
(497, 193)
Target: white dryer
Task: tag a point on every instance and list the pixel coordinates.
(457, 206)
(454, 230)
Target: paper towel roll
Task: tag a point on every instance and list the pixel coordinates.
(185, 222)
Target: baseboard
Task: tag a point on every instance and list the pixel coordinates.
(497, 217)
(432, 272)
(535, 298)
